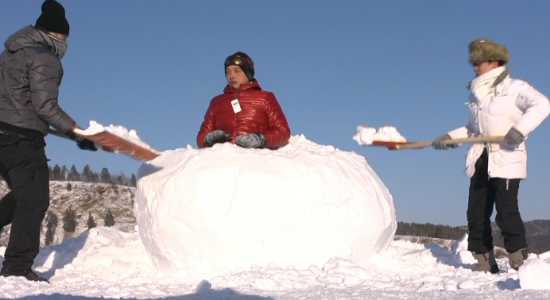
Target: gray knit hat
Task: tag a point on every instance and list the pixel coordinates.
(484, 49)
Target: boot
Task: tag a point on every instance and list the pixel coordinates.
(29, 275)
(486, 262)
(516, 259)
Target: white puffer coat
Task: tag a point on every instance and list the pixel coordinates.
(511, 103)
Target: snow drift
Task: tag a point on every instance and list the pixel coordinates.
(225, 208)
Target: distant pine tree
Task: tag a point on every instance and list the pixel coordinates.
(91, 223)
(86, 174)
(134, 181)
(94, 177)
(109, 219)
(51, 226)
(105, 176)
(64, 173)
(120, 179)
(73, 174)
(56, 172)
(100, 190)
(48, 239)
(69, 220)
(115, 188)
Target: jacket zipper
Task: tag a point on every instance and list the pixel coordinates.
(236, 120)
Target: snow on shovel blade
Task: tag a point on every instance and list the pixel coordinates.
(113, 143)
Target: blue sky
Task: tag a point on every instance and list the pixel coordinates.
(155, 65)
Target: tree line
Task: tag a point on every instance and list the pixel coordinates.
(70, 222)
(430, 230)
(87, 175)
(537, 233)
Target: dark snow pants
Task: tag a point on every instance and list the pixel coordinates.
(484, 193)
(24, 166)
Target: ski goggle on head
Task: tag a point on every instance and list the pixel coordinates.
(238, 61)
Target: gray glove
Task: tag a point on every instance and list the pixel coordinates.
(251, 140)
(215, 137)
(438, 143)
(514, 137)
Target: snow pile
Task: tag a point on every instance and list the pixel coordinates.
(224, 208)
(118, 130)
(535, 272)
(113, 252)
(461, 253)
(366, 135)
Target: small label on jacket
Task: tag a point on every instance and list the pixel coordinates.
(236, 105)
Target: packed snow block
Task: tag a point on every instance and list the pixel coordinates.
(534, 274)
(224, 208)
(460, 252)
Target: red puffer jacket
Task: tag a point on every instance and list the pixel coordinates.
(260, 113)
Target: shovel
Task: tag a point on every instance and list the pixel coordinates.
(423, 144)
(112, 143)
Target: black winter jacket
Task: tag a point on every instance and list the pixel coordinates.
(30, 75)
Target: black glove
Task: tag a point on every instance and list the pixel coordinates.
(215, 137)
(514, 137)
(251, 140)
(86, 144)
(81, 142)
(438, 143)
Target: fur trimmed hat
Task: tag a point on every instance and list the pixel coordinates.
(484, 49)
(53, 18)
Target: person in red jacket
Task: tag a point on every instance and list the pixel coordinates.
(244, 114)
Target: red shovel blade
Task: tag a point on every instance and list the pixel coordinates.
(113, 143)
(391, 145)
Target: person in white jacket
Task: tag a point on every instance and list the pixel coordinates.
(499, 106)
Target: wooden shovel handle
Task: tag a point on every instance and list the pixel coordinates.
(57, 133)
(475, 139)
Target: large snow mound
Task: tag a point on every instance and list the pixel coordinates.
(224, 208)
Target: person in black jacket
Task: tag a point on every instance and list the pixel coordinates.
(30, 75)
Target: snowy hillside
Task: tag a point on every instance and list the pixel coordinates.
(84, 198)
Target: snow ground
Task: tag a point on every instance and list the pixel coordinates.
(104, 263)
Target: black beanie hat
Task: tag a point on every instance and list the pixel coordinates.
(53, 18)
(247, 65)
